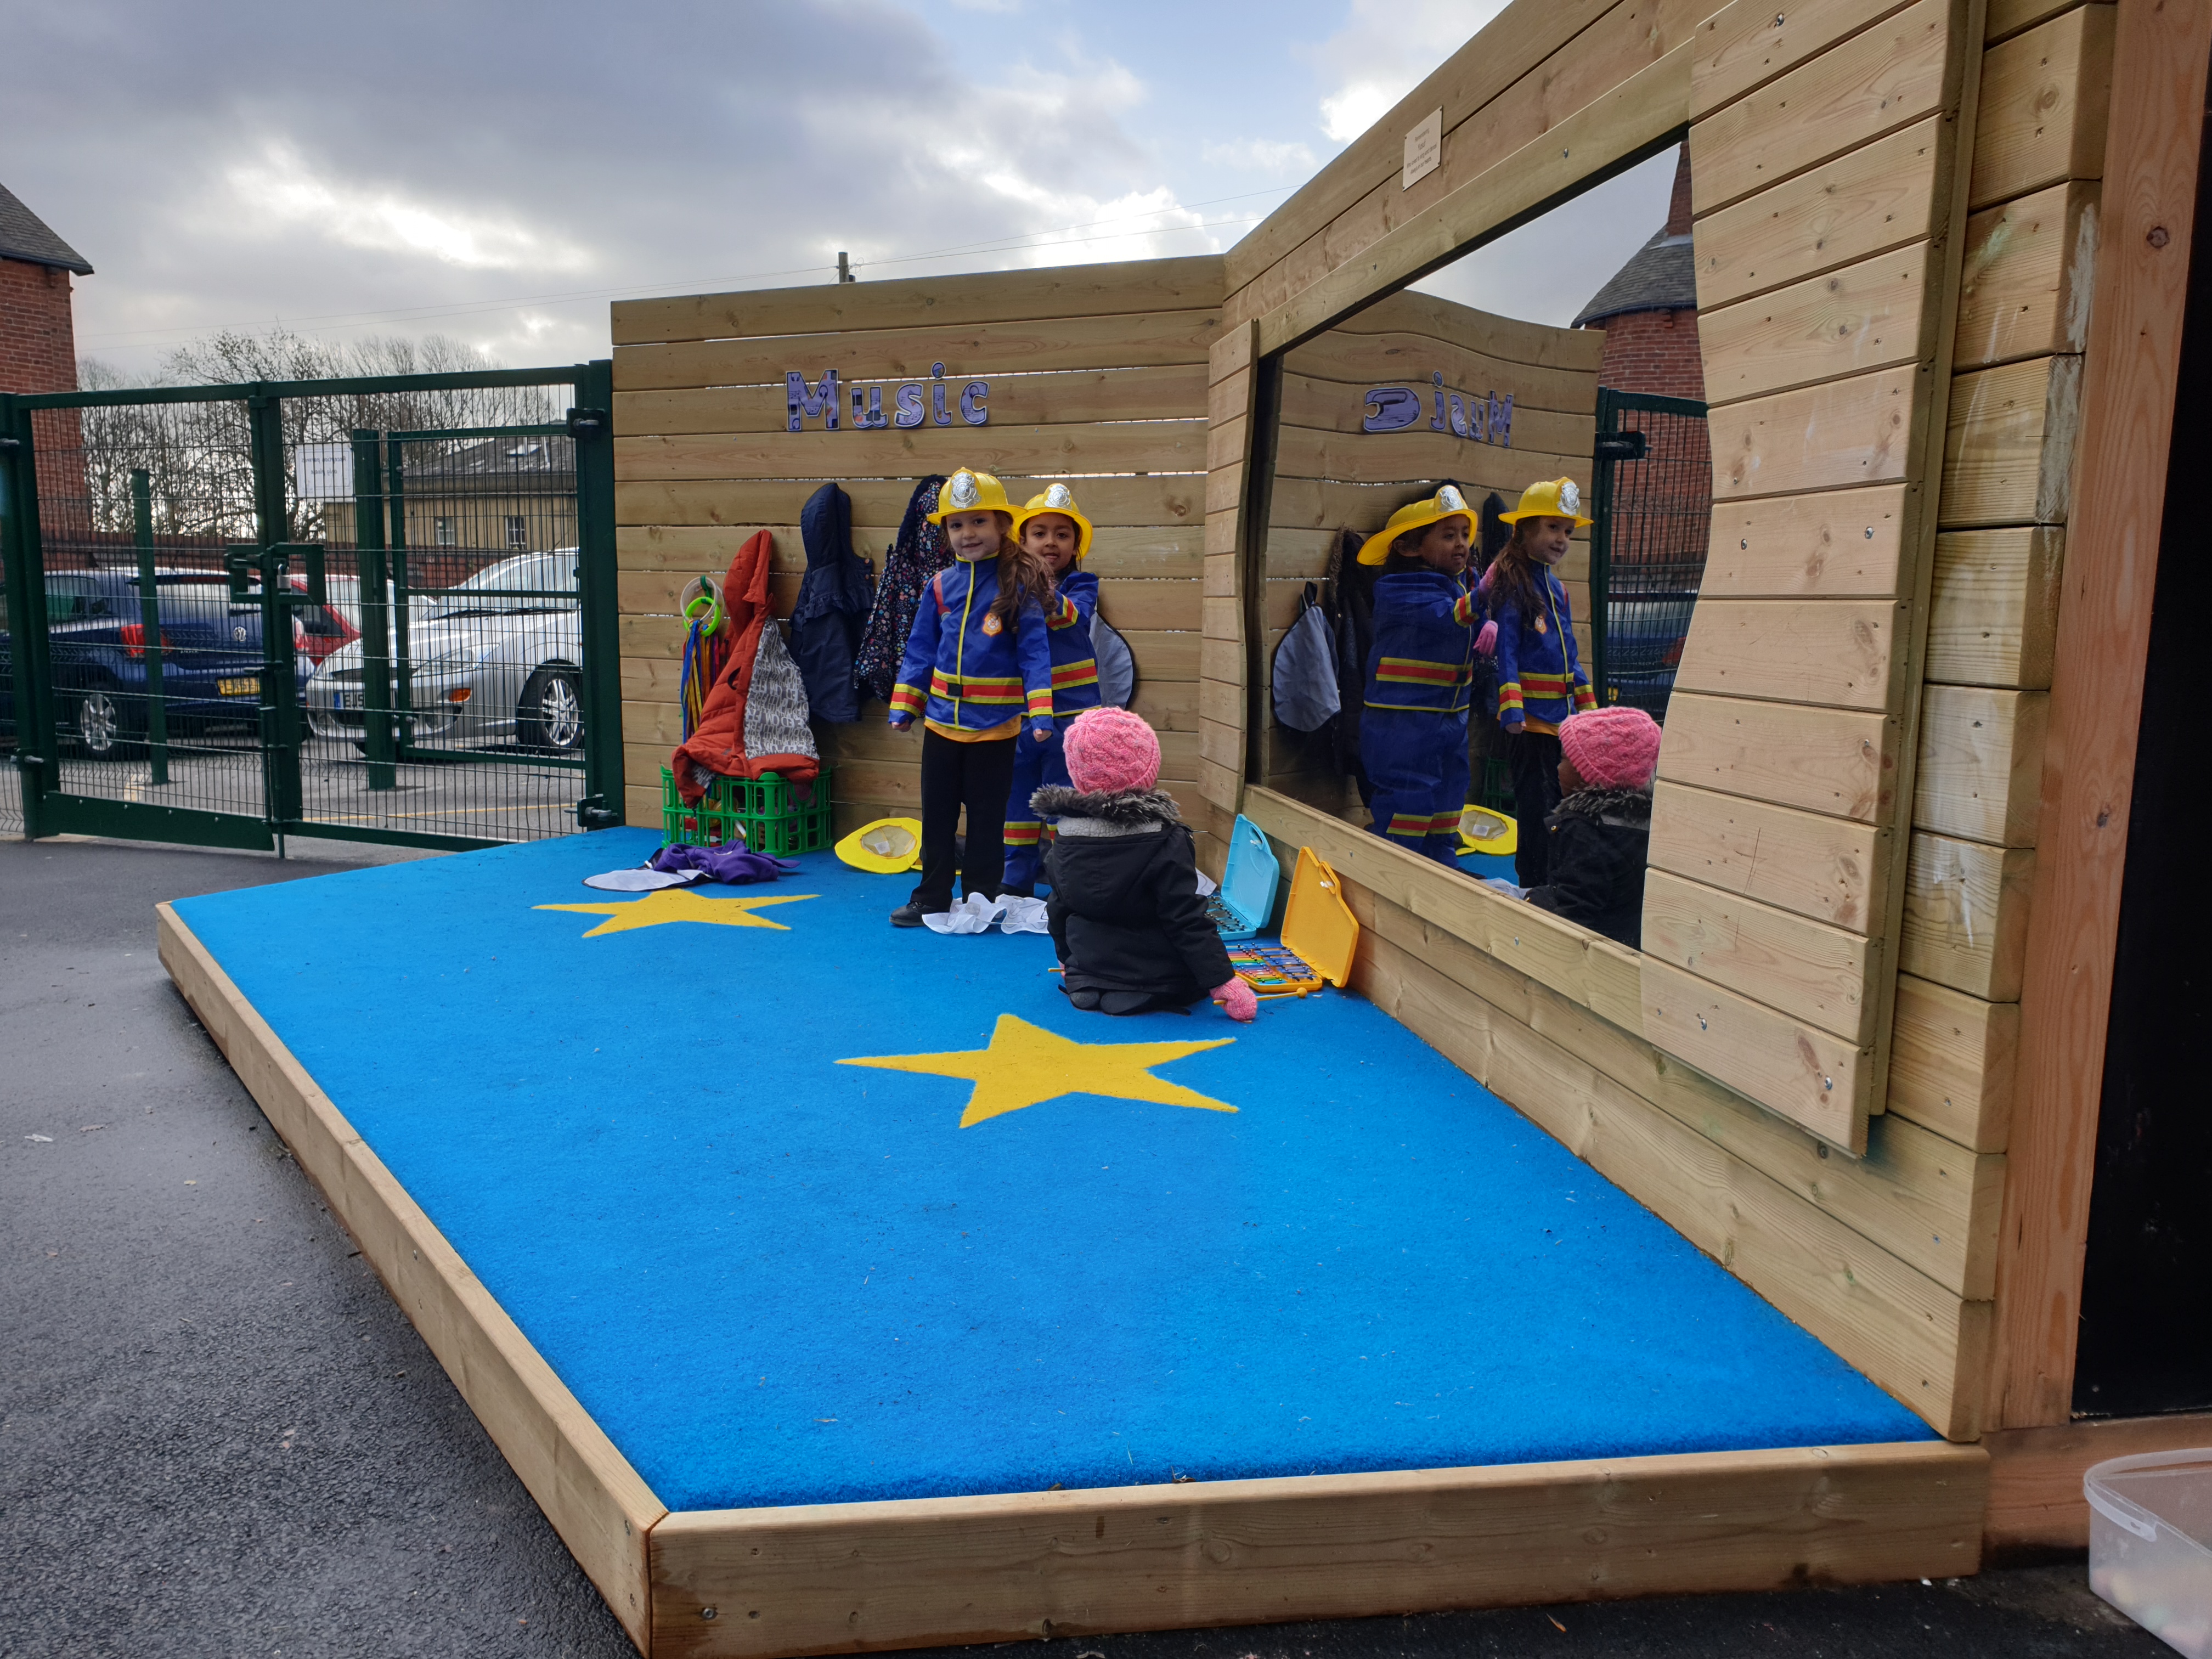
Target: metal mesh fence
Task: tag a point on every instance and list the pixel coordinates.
(1658, 518)
(437, 673)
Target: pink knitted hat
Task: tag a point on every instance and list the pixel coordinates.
(1612, 748)
(1111, 749)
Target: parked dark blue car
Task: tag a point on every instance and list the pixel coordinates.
(96, 642)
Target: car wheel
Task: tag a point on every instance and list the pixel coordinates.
(549, 718)
(96, 725)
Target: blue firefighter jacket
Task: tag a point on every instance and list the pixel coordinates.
(1422, 657)
(960, 673)
(1074, 659)
(1540, 672)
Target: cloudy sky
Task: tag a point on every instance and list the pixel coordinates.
(497, 173)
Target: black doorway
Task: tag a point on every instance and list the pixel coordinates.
(2146, 1333)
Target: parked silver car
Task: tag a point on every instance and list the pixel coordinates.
(498, 656)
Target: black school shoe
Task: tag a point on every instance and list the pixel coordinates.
(906, 915)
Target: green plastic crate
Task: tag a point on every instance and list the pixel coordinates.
(1495, 791)
(765, 810)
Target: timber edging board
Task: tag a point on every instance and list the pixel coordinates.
(843, 1577)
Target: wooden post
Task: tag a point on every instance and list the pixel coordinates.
(2096, 697)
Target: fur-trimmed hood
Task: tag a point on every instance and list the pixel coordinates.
(1628, 809)
(1126, 808)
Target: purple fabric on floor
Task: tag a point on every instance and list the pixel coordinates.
(732, 864)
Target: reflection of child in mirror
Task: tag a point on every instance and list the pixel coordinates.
(1601, 833)
(1420, 672)
(1054, 534)
(1540, 672)
(977, 669)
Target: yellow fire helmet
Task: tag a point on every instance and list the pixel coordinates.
(970, 491)
(884, 848)
(1553, 498)
(1417, 515)
(1062, 500)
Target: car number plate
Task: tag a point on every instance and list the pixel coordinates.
(346, 699)
(238, 687)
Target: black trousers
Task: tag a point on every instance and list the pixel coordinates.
(977, 775)
(1533, 760)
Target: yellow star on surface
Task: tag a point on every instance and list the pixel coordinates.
(668, 905)
(1027, 1065)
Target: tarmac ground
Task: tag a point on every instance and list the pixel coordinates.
(219, 1436)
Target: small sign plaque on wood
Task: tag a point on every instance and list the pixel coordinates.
(1425, 149)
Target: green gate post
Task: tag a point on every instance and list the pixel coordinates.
(403, 604)
(591, 424)
(149, 620)
(280, 693)
(36, 745)
(371, 569)
(1601, 573)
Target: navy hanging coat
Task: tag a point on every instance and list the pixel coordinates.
(835, 599)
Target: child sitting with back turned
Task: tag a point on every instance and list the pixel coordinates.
(1599, 834)
(1125, 915)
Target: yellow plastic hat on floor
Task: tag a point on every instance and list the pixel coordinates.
(1553, 498)
(1417, 515)
(1062, 500)
(1481, 830)
(884, 847)
(970, 491)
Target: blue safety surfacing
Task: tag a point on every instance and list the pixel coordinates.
(774, 1280)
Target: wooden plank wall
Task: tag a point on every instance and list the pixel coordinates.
(1835, 211)
(1328, 473)
(1098, 376)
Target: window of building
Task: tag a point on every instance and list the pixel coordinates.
(517, 529)
(448, 532)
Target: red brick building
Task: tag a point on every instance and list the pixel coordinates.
(1649, 311)
(38, 332)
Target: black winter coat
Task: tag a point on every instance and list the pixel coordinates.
(1125, 909)
(834, 598)
(1600, 841)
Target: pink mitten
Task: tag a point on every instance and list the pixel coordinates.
(1236, 1000)
(1485, 642)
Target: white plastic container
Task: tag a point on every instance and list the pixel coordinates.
(2150, 1543)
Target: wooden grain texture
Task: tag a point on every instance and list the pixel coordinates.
(1626, 119)
(1024, 450)
(1418, 456)
(1510, 46)
(1965, 915)
(2008, 444)
(1055, 292)
(2045, 96)
(1855, 431)
(1953, 1062)
(1747, 43)
(1845, 654)
(1789, 963)
(1341, 406)
(1908, 1334)
(2096, 699)
(1993, 618)
(751, 502)
(2008, 17)
(1981, 763)
(1880, 196)
(1912, 1194)
(1574, 352)
(598, 1503)
(1819, 760)
(1822, 1083)
(1224, 652)
(1115, 394)
(2036, 1502)
(1826, 868)
(1836, 544)
(1871, 315)
(1886, 77)
(866, 1576)
(2028, 273)
(1147, 339)
(1147, 552)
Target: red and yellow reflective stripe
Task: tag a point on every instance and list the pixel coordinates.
(1584, 697)
(1509, 696)
(1463, 609)
(966, 689)
(1413, 671)
(1066, 616)
(1040, 703)
(908, 700)
(1417, 826)
(1075, 673)
(1022, 833)
(1547, 685)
